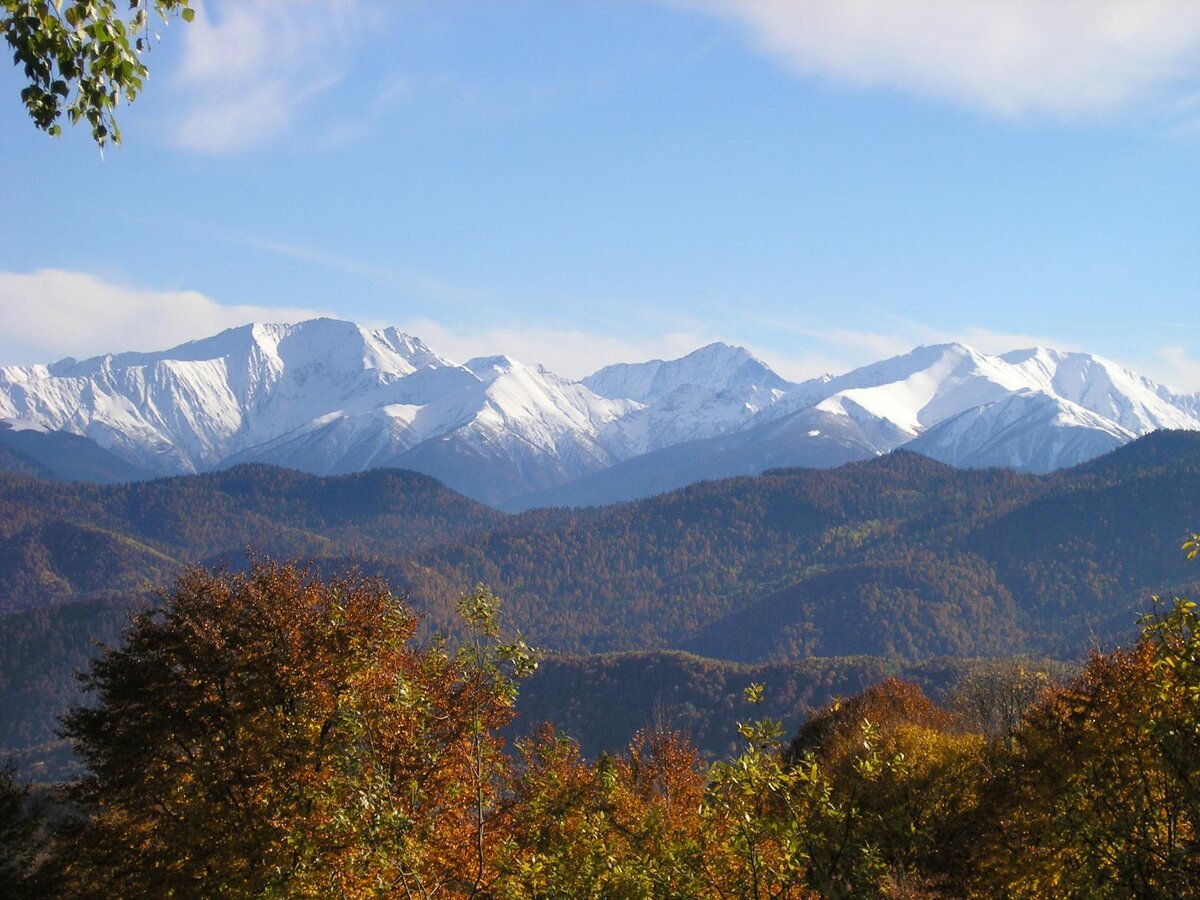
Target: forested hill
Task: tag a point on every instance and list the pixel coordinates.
(900, 558)
(900, 555)
(61, 542)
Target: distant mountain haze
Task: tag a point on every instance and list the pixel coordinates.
(330, 397)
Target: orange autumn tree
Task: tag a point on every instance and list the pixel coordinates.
(1086, 805)
(274, 733)
(1101, 794)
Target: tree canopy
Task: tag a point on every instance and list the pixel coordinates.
(275, 733)
(82, 57)
(271, 732)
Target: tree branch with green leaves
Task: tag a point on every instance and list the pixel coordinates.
(82, 58)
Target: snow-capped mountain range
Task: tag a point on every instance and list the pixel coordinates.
(328, 396)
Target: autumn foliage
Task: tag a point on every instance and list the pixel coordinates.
(270, 733)
(275, 734)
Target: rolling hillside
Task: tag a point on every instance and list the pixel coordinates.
(899, 558)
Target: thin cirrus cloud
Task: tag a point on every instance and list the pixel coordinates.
(1174, 366)
(249, 67)
(1063, 58)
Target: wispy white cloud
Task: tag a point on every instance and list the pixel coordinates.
(911, 333)
(799, 365)
(870, 344)
(51, 313)
(403, 279)
(1173, 365)
(987, 340)
(360, 122)
(1008, 57)
(250, 66)
(570, 352)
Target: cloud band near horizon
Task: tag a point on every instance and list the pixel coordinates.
(52, 313)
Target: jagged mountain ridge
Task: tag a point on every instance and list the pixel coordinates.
(323, 396)
(331, 397)
(1031, 410)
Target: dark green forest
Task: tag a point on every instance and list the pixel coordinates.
(932, 560)
(837, 577)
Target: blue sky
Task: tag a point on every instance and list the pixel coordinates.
(826, 182)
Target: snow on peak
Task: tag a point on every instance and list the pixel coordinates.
(1104, 387)
(711, 391)
(1028, 430)
(716, 367)
(328, 395)
(489, 368)
(193, 405)
(1072, 392)
(912, 391)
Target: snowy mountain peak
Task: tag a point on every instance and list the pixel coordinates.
(937, 360)
(1107, 388)
(1036, 409)
(1028, 430)
(718, 353)
(327, 395)
(194, 405)
(342, 346)
(716, 367)
(489, 368)
(912, 391)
